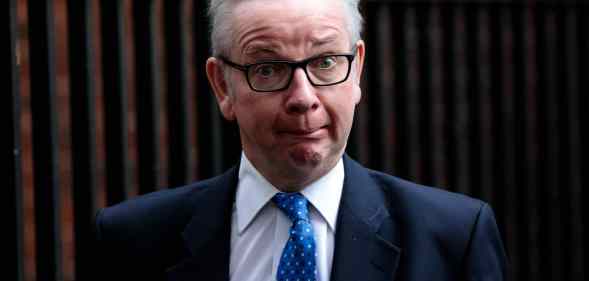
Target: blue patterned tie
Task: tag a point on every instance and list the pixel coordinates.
(298, 257)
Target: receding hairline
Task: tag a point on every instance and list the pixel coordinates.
(221, 19)
(273, 44)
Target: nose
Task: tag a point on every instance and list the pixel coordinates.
(301, 96)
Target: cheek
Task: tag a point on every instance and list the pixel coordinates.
(256, 116)
(341, 111)
(350, 106)
(356, 94)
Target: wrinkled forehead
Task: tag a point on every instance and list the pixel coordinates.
(275, 23)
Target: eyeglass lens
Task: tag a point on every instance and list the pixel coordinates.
(324, 70)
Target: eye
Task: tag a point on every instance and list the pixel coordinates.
(265, 70)
(325, 62)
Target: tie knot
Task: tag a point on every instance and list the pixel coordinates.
(294, 205)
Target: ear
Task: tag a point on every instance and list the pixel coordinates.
(220, 87)
(359, 60)
(358, 66)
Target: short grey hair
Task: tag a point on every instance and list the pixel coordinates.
(221, 30)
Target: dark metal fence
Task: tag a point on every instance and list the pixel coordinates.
(488, 100)
(107, 99)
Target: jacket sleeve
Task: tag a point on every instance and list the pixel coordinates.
(103, 258)
(116, 255)
(485, 258)
(109, 260)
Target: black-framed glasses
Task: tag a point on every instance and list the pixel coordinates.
(276, 75)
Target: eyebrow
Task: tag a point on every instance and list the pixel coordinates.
(318, 42)
(272, 49)
(266, 50)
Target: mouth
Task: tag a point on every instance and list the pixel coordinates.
(311, 133)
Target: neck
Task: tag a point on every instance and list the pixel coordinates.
(293, 178)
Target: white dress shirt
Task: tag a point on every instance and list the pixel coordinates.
(259, 230)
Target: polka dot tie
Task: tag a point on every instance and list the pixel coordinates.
(298, 257)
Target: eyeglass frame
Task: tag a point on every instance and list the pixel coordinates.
(292, 65)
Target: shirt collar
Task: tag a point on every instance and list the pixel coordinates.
(254, 192)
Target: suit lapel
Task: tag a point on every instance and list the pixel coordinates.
(207, 237)
(367, 239)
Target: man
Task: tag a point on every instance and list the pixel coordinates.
(296, 207)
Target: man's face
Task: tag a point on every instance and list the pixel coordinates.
(296, 135)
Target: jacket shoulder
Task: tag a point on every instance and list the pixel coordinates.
(140, 238)
(452, 229)
(430, 198)
(430, 210)
(144, 212)
(152, 214)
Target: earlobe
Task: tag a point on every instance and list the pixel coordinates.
(220, 88)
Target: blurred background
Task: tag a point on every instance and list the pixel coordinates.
(108, 99)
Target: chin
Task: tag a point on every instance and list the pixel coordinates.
(305, 156)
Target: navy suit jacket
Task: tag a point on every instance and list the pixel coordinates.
(387, 229)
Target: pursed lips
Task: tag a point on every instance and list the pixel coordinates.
(303, 132)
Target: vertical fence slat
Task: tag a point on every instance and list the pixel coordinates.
(495, 115)
(520, 132)
(10, 101)
(114, 75)
(483, 96)
(180, 169)
(526, 73)
(147, 94)
(412, 128)
(473, 97)
(381, 100)
(461, 105)
(424, 90)
(398, 15)
(583, 89)
(449, 74)
(573, 215)
(508, 138)
(83, 130)
(208, 120)
(438, 119)
(45, 150)
(548, 137)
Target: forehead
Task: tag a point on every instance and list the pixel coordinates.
(276, 25)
